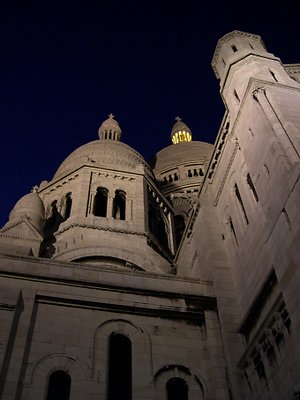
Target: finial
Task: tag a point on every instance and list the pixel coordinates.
(178, 119)
(34, 189)
(111, 115)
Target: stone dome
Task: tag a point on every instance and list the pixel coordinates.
(103, 153)
(31, 206)
(183, 153)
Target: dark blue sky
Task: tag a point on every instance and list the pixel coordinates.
(65, 66)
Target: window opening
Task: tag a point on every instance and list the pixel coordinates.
(53, 209)
(259, 366)
(240, 200)
(100, 202)
(119, 205)
(251, 185)
(266, 168)
(177, 389)
(231, 226)
(234, 48)
(54, 218)
(119, 368)
(273, 75)
(157, 225)
(67, 205)
(59, 386)
(236, 95)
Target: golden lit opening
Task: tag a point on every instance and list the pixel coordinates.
(181, 136)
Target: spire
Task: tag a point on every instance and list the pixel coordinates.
(180, 132)
(110, 129)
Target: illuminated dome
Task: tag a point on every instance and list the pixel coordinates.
(180, 132)
(186, 152)
(182, 165)
(183, 154)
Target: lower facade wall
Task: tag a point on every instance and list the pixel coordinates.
(51, 328)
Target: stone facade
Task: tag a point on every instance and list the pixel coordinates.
(176, 280)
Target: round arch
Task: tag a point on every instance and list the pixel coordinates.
(141, 350)
(197, 388)
(37, 382)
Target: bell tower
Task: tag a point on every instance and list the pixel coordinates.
(240, 59)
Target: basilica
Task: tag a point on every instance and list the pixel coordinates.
(171, 280)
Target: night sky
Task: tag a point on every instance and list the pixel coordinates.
(66, 66)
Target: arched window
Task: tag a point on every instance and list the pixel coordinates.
(119, 368)
(53, 216)
(177, 389)
(53, 209)
(100, 202)
(119, 205)
(67, 206)
(59, 386)
(161, 231)
(157, 225)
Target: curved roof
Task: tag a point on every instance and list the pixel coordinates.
(193, 152)
(102, 153)
(32, 206)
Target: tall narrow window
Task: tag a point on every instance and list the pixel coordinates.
(157, 226)
(161, 231)
(59, 386)
(66, 211)
(177, 389)
(240, 200)
(231, 226)
(100, 202)
(54, 217)
(119, 206)
(259, 366)
(236, 95)
(119, 368)
(53, 209)
(273, 75)
(251, 185)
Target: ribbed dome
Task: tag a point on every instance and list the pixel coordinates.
(32, 206)
(105, 154)
(183, 153)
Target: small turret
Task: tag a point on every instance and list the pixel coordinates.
(110, 129)
(234, 47)
(23, 233)
(180, 132)
(32, 207)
